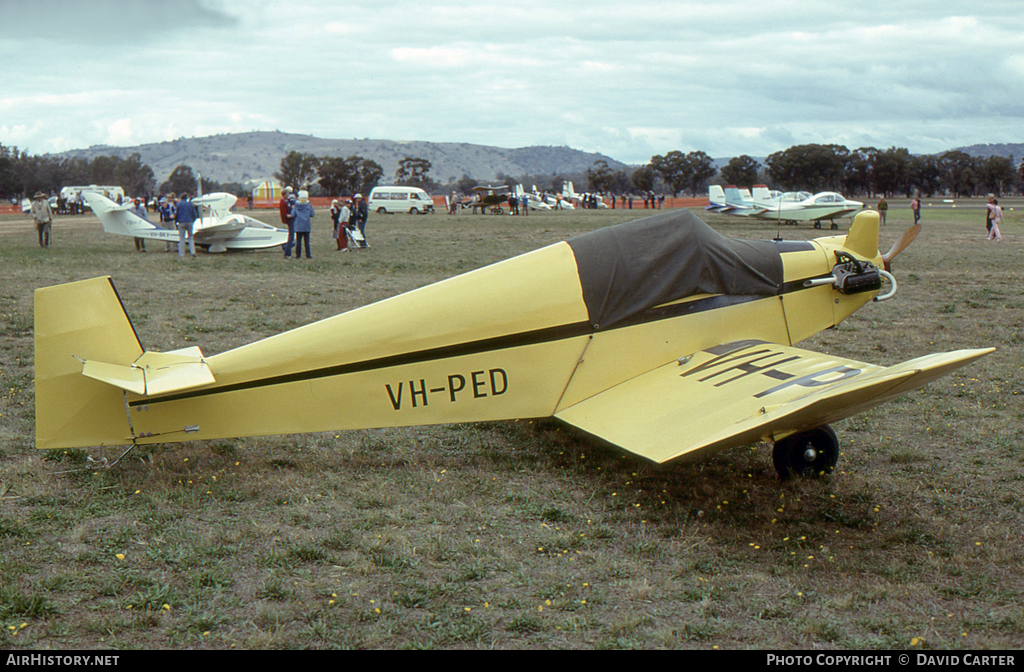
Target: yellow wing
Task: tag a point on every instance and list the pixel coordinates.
(741, 392)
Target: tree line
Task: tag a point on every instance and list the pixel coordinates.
(814, 167)
(23, 174)
(811, 167)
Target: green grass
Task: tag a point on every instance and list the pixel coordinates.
(519, 534)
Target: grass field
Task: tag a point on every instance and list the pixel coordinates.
(516, 534)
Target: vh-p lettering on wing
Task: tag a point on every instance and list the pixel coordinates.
(658, 335)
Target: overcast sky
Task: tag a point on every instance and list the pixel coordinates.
(629, 79)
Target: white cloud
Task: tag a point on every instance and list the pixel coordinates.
(630, 80)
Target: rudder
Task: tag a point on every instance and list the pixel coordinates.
(73, 322)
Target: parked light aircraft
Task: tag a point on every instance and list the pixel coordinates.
(790, 207)
(658, 335)
(553, 201)
(801, 206)
(731, 200)
(218, 229)
(488, 198)
(569, 193)
(533, 200)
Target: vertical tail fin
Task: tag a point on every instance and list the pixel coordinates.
(762, 194)
(80, 320)
(117, 218)
(733, 196)
(863, 236)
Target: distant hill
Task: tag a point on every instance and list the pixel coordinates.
(1014, 150)
(239, 157)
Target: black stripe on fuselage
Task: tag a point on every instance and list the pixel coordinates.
(521, 339)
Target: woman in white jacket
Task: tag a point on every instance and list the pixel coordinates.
(996, 213)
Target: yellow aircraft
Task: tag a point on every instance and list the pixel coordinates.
(658, 335)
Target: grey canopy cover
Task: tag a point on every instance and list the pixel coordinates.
(631, 267)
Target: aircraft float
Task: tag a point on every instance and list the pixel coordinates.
(657, 335)
(218, 229)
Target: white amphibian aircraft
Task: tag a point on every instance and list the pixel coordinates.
(217, 230)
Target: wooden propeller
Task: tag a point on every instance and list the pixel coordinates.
(905, 239)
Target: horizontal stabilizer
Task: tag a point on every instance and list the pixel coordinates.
(740, 393)
(154, 373)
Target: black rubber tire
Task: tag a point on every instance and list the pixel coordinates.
(809, 454)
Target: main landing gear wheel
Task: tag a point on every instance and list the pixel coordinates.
(807, 454)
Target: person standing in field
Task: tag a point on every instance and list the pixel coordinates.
(883, 208)
(284, 207)
(362, 209)
(302, 223)
(915, 207)
(339, 216)
(185, 218)
(43, 217)
(140, 211)
(996, 213)
(167, 217)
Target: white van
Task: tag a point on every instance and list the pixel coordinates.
(111, 192)
(400, 199)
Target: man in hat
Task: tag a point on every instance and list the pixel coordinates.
(43, 217)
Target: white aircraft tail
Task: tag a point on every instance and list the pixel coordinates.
(733, 196)
(762, 194)
(217, 204)
(716, 195)
(117, 218)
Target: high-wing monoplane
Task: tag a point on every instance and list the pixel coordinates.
(218, 229)
(658, 335)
